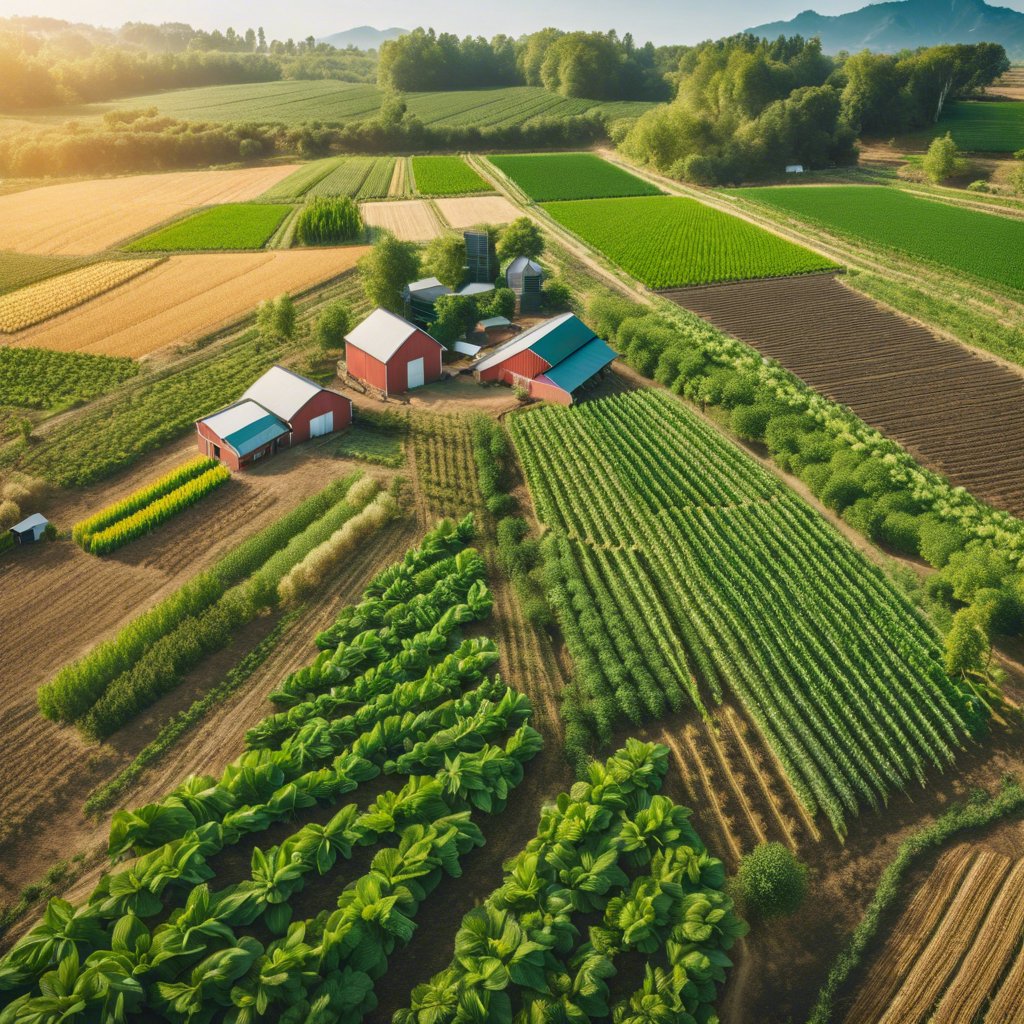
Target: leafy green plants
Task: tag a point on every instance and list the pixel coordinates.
(670, 241)
(232, 226)
(38, 378)
(329, 221)
(446, 176)
(771, 881)
(549, 176)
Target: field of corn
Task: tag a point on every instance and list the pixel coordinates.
(231, 226)
(551, 176)
(670, 580)
(671, 241)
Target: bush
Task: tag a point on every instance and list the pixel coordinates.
(10, 514)
(555, 294)
(328, 220)
(943, 160)
(771, 882)
(864, 517)
(750, 421)
(841, 491)
(999, 610)
(939, 540)
(334, 322)
(816, 475)
(900, 531)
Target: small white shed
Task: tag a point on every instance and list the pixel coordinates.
(28, 531)
(794, 168)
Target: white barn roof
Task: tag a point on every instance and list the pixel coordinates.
(282, 392)
(382, 334)
(521, 342)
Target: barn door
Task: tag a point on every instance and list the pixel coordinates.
(415, 371)
(320, 425)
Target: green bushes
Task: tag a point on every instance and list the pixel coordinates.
(38, 378)
(771, 882)
(329, 221)
(77, 687)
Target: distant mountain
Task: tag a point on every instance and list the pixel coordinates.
(903, 24)
(363, 38)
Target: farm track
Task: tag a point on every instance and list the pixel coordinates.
(957, 412)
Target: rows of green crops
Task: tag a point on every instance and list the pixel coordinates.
(984, 127)
(985, 245)
(671, 241)
(710, 578)
(364, 177)
(231, 226)
(299, 182)
(549, 176)
(38, 378)
(446, 176)
(387, 754)
(333, 102)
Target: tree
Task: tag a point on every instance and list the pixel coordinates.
(445, 258)
(967, 644)
(520, 238)
(386, 269)
(771, 882)
(275, 318)
(454, 316)
(332, 325)
(501, 302)
(943, 159)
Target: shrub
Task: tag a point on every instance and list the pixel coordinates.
(939, 540)
(328, 220)
(943, 160)
(333, 323)
(864, 517)
(10, 513)
(816, 475)
(750, 421)
(999, 610)
(771, 882)
(841, 490)
(555, 294)
(899, 531)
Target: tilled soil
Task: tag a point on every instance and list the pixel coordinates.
(954, 410)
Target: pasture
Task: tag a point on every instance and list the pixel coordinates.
(84, 217)
(446, 176)
(232, 226)
(985, 245)
(333, 102)
(185, 298)
(553, 176)
(667, 242)
(984, 127)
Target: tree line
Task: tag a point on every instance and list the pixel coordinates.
(745, 107)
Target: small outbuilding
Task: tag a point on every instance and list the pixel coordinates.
(526, 278)
(280, 409)
(392, 355)
(30, 530)
(552, 361)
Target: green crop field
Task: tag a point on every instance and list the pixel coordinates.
(984, 127)
(38, 378)
(551, 176)
(232, 226)
(670, 241)
(363, 177)
(299, 182)
(446, 176)
(332, 102)
(984, 245)
(711, 578)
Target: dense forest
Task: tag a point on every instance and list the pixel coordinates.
(745, 107)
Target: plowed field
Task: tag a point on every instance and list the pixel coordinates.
(185, 298)
(89, 216)
(956, 411)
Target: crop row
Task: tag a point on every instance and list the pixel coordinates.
(230, 226)
(616, 851)
(295, 186)
(140, 500)
(41, 378)
(446, 176)
(748, 587)
(349, 177)
(172, 944)
(549, 176)
(38, 302)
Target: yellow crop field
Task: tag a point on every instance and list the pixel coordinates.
(84, 217)
(185, 298)
(468, 211)
(38, 302)
(411, 220)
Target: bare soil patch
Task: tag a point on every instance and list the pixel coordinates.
(956, 411)
(185, 298)
(85, 217)
(411, 220)
(472, 210)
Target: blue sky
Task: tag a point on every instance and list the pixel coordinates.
(663, 21)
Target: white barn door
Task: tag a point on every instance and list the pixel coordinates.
(414, 368)
(320, 425)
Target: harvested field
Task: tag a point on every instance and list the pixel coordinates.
(470, 211)
(411, 220)
(74, 600)
(957, 412)
(185, 298)
(946, 956)
(89, 216)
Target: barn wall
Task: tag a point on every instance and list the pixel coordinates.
(364, 367)
(418, 345)
(523, 364)
(326, 401)
(549, 393)
(207, 439)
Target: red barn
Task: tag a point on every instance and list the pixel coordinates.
(391, 354)
(552, 361)
(280, 409)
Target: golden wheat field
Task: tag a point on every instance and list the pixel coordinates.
(467, 211)
(84, 217)
(185, 298)
(411, 220)
(38, 302)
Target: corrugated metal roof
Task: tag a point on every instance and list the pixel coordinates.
(579, 367)
(283, 392)
(33, 522)
(520, 343)
(466, 349)
(246, 426)
(524, 265)
(382, 334)
(495, 321)
(427, 288)
(571, 334)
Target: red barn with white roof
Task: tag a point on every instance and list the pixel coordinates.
(391, 354)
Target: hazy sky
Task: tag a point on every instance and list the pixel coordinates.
(663, 21)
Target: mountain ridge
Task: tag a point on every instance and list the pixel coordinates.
(363, 37)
